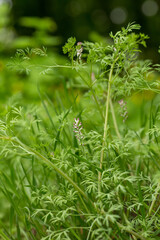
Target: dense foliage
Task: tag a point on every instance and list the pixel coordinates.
(83, 162)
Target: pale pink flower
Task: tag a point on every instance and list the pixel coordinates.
(77, 125)
(93, 76)
(124, 112)
(79, 50)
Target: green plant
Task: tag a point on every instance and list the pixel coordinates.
(99, 182)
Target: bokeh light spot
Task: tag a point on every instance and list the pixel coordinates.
(118, 15)
(149, 8)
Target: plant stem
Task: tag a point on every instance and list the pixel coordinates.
(72, 59)
(137, 235)
(72, 230)
(153, 202)
(48, 162)
(3, 235)
(96, 101)
(84, 204)
(106, 123)
(114, 120)
(94, 96)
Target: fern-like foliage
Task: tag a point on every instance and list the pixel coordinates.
(105, 186)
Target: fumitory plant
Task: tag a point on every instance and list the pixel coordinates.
(99, 181)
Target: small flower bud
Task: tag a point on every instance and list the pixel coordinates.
(124, 112)
(79, 50)
(77, 125)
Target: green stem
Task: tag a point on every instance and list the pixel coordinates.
(106, 123)
(154, 200)
(137, 235)
(3, 235)
(94, 96)
(49, 163)
(72, 59)
(96, 101)
(84, 204)
(114, 120)
(72, 230)
(125, 217)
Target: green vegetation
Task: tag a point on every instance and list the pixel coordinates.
(80, 142)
